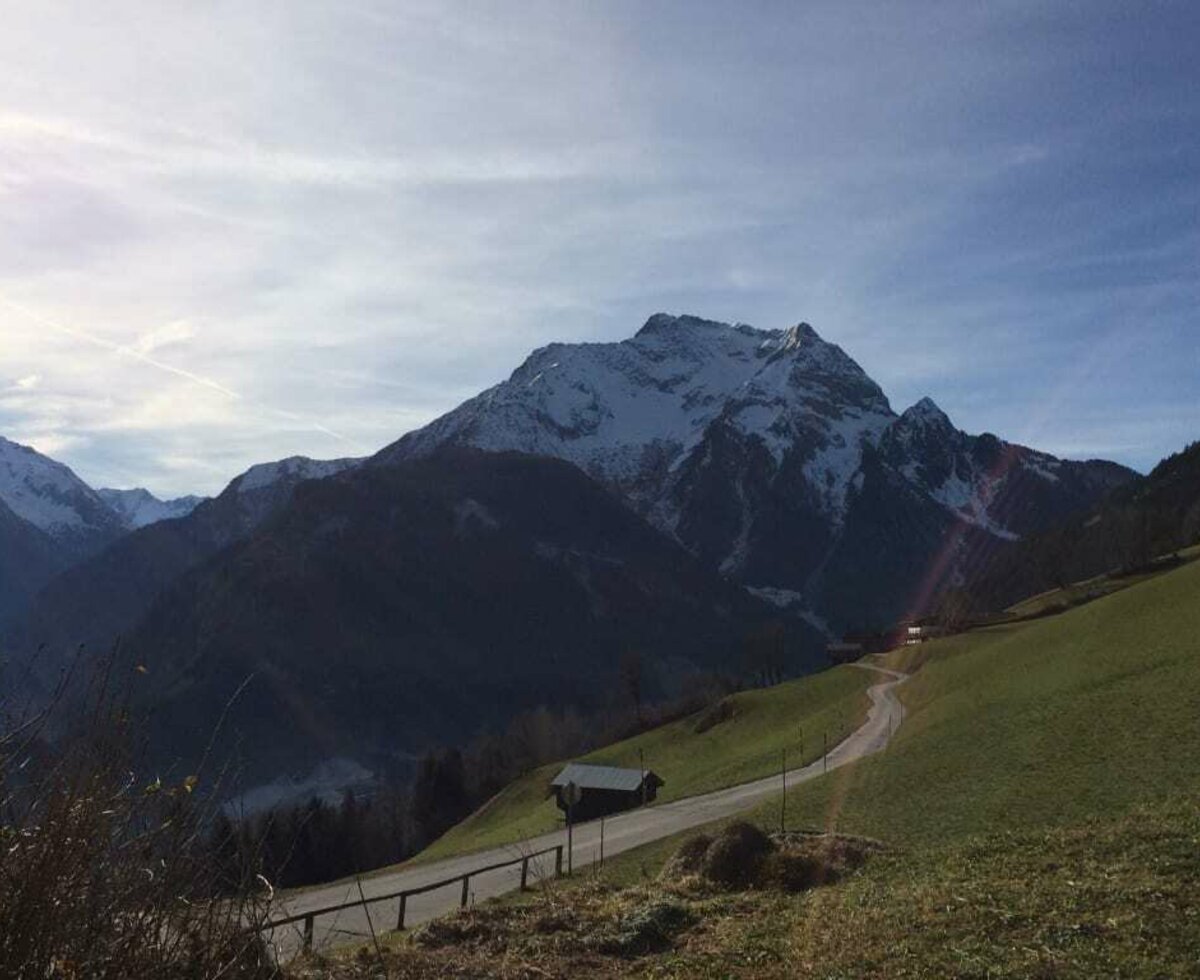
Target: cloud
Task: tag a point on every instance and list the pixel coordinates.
(27, 383)
(306, 229)
(169, 334)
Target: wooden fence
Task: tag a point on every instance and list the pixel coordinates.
(308, 918)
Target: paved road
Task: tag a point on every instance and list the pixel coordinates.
(621, 833)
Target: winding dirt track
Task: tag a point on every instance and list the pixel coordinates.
(621, 833)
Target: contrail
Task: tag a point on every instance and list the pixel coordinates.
(197, 379)
(116, 348)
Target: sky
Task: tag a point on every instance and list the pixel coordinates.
(232, 232)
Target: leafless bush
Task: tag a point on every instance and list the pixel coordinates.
(103, 872)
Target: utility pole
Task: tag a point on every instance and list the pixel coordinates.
(571, 794)
(783, 800)
(642, 767)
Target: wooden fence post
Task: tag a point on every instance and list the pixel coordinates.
(308, 933)
(403, 908)
(558, 861)
(466, 884)
(524, 873)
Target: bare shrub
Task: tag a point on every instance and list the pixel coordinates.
(103, 870)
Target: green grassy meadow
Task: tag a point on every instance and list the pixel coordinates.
(1042, 800)
(744, 747)
(1080, 715)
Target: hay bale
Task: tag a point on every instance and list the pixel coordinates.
(808, 862)
(735, 858)
(688, 860)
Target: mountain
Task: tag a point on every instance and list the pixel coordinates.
(49, 519)
(398, 605)
(139, 507)
(50, 497)
(97, 600)
(773, 457)
(1136, 523)
(666, 494)
(28, 559)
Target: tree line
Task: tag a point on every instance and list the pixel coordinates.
(322, 840)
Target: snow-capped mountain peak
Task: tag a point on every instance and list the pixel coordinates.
(770, 454)
(51, 497)
(138, 507)
(633, 412)
(926, 412)
(263, 488)
(293, 469)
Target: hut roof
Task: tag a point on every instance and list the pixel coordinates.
(603, 777)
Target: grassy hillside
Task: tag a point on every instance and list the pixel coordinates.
(1043, 796)
(743, 747)
(1078, 593)
(1083, 714)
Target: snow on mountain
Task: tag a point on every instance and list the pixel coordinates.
(972, 476)
(293, 469)
(633, 413)
(139, 507)
(52, 498)
(262, 489)
(770, 454)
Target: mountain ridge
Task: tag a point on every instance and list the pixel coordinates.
(736, 440)
(138, 507)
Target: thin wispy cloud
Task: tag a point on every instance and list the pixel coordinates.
(308, 229)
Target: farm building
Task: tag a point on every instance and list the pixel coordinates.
(605, 789)
(920, 630)
(844, 652)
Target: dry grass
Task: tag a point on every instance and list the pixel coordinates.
(593, 928)
(104, 873)
(1105, 898)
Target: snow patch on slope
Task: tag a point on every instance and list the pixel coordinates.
(294, 468)
(48, 494)
(139, 507)
(972, 502)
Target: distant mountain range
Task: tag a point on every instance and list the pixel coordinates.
(50, 520)
(670, 494)
(99, 598)
(48, 495)
(139, 507)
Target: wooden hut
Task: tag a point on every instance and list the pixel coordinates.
(605, 789)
